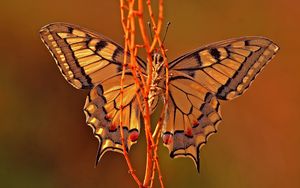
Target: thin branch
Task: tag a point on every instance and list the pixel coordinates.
(142, 83)
(125, 26)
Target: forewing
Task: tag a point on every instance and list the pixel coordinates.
(85, 58)
(102, 109)
(193, 114)
(227, 68)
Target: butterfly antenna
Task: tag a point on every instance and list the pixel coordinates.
(150, 30)
(168, 24)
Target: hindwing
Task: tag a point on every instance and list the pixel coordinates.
(193, 114)
(103, 112)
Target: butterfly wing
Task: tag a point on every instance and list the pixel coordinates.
(222, 70)
(102, 109)
(193, 114)
(84, 58)
(91, 61)
(227, 68)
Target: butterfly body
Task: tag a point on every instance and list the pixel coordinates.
(197, 81)
(158, 80)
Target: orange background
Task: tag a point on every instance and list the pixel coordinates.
(44, 141)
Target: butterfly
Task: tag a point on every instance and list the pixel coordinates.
(197, 81)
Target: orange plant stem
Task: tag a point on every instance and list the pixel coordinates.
(156, 27)
(146, 114)
(126, 26)
(129, 28)
(156, 166)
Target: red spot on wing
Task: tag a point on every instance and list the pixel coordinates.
(112, 127)
(134, 136)
(167, 138)
(189, 132)
(195, 123)
(108, 117)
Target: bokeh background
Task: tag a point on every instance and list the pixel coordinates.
(44, 141)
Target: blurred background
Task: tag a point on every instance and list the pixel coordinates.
(44, 141)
